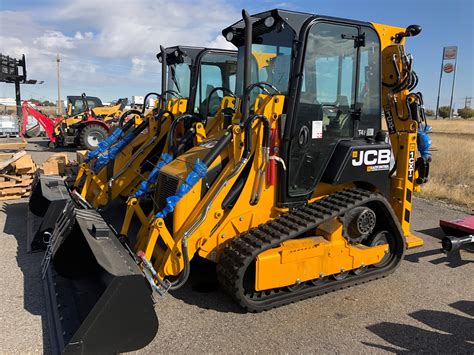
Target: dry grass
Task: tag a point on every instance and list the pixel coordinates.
(452, 169)
(452, 126)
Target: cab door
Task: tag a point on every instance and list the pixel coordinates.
(330, 98)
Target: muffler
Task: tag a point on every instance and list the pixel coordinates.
(98, 299)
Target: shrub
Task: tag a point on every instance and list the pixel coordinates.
(466, 112)
(429, 112)
(443, 111)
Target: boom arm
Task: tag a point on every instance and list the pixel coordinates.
(47, 123)
(406, 123)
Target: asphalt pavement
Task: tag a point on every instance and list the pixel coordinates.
(427, 305)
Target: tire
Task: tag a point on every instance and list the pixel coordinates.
(91, 135)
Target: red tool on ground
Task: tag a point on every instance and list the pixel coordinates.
(459, 232)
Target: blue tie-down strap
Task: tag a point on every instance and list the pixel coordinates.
(104, 145)
(199, 171)
(424, 141)
(104, 159)
(145, 185)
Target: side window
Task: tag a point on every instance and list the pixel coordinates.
(368, 98)
(78, 107)
(92, 103)
(216, 70)
(209, 79)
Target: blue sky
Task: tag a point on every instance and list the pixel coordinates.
(108, 46)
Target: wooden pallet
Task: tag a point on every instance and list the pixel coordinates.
(16, 175)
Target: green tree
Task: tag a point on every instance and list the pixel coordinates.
(443, 111)
(466, 112)
(429, 112)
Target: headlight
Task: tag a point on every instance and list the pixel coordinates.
(269, 21)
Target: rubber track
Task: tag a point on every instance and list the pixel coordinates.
(239, 253)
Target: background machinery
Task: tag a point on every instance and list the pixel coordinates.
(87, 122)
(300, 194)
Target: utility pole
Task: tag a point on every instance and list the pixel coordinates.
(467, 102)
(439, 86)
(60, 108)
(452, 89)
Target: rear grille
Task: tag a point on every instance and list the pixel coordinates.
(166, 186)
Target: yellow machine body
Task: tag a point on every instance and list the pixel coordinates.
(324, 252)
(101, 187)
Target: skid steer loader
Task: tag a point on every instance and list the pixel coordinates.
(301, 194)
(118, 172)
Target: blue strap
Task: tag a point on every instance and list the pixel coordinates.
(104, 145)
(424, 141)
(199, 171)
(104, 159)
(145, 185)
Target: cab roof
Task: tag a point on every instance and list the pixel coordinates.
(295, 20)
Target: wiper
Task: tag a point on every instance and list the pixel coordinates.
(173, 77)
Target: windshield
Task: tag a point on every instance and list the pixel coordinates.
(271, 61)
(179, 77)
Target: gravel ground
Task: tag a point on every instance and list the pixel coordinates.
(426, 305)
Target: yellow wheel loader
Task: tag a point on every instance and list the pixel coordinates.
(302, 193)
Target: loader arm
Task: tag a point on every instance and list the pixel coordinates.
(406, 123)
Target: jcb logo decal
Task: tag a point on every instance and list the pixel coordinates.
(371, 157)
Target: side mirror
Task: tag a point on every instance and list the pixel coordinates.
(410, 31)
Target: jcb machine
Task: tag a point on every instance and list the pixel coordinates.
(301, 194)
(130, 154)
(86, 125)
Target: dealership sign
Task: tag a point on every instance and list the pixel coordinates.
(448, 68)
(450, 52)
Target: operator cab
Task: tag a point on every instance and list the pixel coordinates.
(216, 68)
(329, 70)
(76, 104)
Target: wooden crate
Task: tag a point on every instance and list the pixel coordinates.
(16, 175)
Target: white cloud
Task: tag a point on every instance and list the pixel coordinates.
(54, 40)
(220, 42)
(96, 39)
(138, 66)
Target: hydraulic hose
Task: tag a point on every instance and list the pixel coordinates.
(174, 125)
(248, 134)
(208, 159)
(160, 98)
(126, 114)
(213, 91)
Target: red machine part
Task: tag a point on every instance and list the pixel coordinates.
(46, 122)
(463, 225)
(271, 170)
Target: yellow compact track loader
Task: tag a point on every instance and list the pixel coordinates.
(131, 154)
(302, 193)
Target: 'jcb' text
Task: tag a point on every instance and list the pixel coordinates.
(371, 157)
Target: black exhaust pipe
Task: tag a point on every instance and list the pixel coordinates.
(247, 64)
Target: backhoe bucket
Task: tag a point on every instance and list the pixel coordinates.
(98, 299)
(49, 195)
